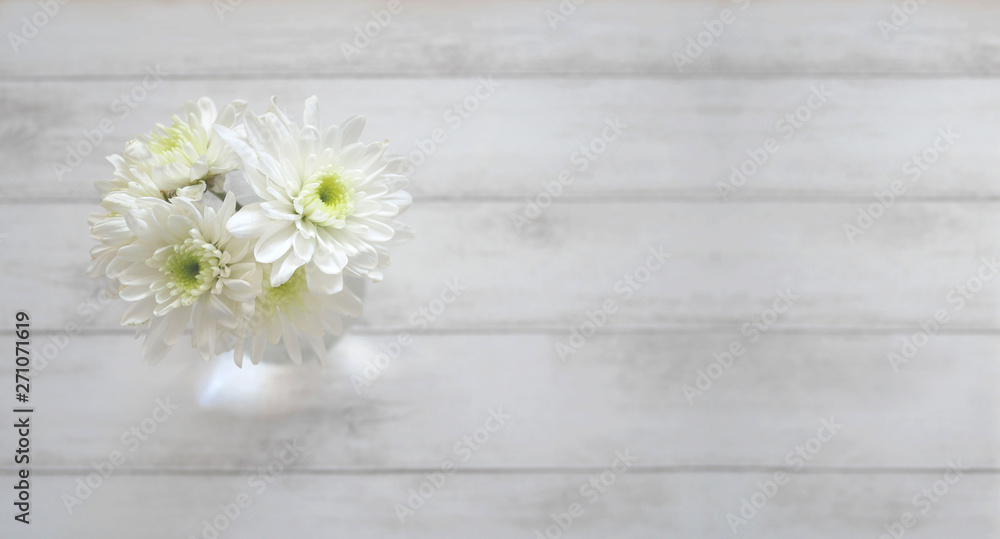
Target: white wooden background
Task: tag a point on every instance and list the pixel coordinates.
(495, 346)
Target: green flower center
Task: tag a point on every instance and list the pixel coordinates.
(332, 191)
(327, 199)
(183, 268)
(335, 194)
(170, 144)
(190, 269)
(287, 294)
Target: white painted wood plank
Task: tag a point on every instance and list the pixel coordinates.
(622, 390)
(637, 505)
(729, 262)
(608, 37)
(617, 392)
(681, 137)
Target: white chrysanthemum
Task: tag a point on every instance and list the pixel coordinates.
(191, 143)
(184, 265)
(329, 202)
(137, 175)
(289, 313)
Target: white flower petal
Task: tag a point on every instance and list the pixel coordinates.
(236, 142)
(220, 312)
(249, 222)
(153, 347)
(279, 209)
(275, 242)
(291, 342)
(310, 115)
(351, 130)
(330, 262)
(138, 313)
(176, 321)
(237, 290)
(324, 283)
(258, 349)
(377, 231)
(284, 268)
(304, 248)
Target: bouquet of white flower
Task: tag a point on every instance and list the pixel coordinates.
(246, 225)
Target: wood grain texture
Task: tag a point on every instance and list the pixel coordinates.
(637, 505)
(680, 138)
(727, 266)
(618, 392)
(603, 37)
(495, 347)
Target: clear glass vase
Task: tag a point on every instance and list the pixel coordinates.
(275, 387)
